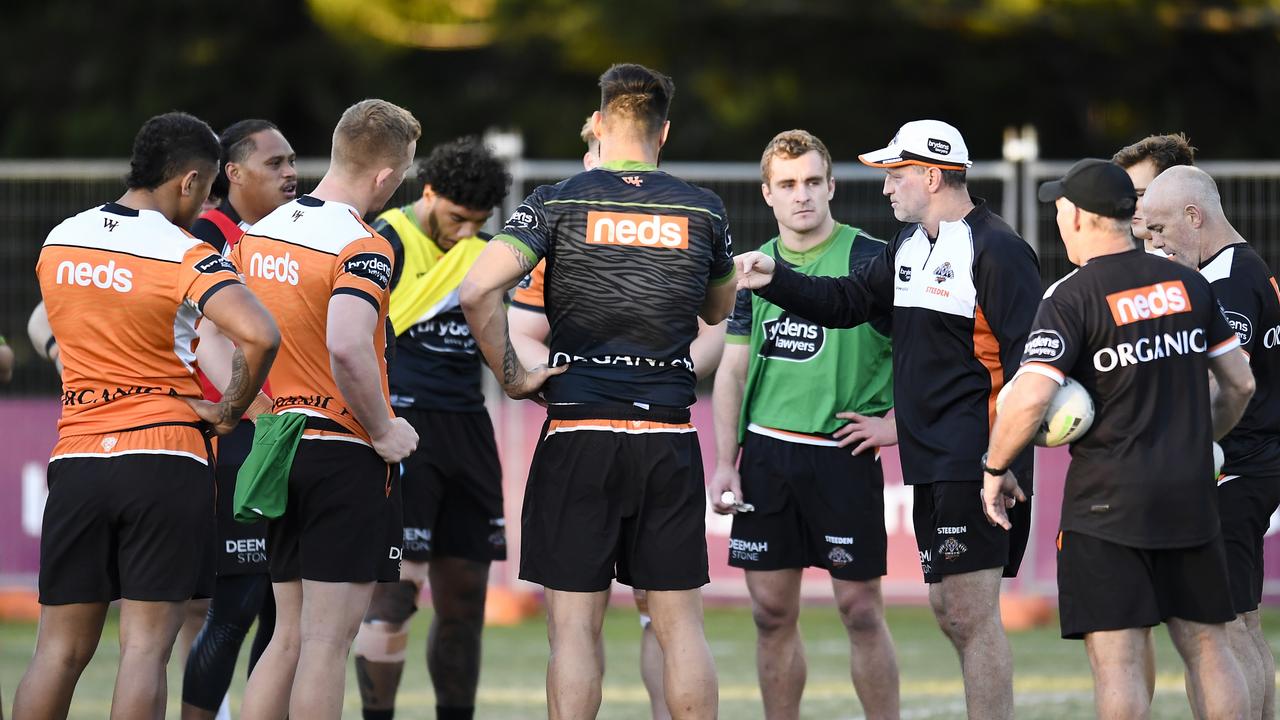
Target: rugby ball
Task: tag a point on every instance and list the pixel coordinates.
(1218, 459)
(1068, 417)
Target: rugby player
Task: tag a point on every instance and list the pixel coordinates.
(453, 514)
(1140, 542)
(1143, 161)
(129, 514)
(634, 255)
(961, 286)
(1184, 213)
(815, 504)
(529, 330)
(314, 261)
(257, 176)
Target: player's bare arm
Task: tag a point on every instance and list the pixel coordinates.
(499, 267)
(529, 331)
(726, 404)
(754, 269)
(707, 348)
(1015, 426)
(216, 354)
(718, 303)
(41, 336)
(354, 363)
(868, 431)
(1235, 385)
(246, 323)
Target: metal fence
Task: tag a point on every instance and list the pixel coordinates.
(37, 195)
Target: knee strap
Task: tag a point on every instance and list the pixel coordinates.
(382, 642)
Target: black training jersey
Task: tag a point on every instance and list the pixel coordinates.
(630, 252)
(1137, 331)
(962, 304)
(1249, 297)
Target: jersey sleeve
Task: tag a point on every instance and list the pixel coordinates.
(862, 252)
(1007, 278)
(1242, 307)
(836, 302)
(739, 329)
(1222, 337)
(383, 228)
(528, 294)
(204, 229)
(721, 246)
(527, 229)
(364, 269)
(203, 272)
(1056, 337)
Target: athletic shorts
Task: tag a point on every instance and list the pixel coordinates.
(815, 506)
(615, 491)
(129, 515)
(954, 537)
(241, 547)
(453, 488)
(1106, 586)
(342, 521)
(1245, 505)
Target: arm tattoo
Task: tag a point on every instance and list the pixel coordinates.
(239, 392)
(510, 364)
(525, 263)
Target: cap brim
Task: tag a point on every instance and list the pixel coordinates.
(1050, 191)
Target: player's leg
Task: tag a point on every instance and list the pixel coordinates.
(967, 607)
(266, 623)
(266, 696)
(383, 639)
(67, 638)
(212, 662)
(873, 663)
(650, 660)
(331, 615)
(575, 670)
(780, 661)
(1219, 683)
(194, 613)
(147, 632)
(1120, 661)
(1253, 623)
(689, 676)
(458, 588)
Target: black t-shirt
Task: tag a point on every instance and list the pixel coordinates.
(630, 253)
(1250, 299)
(1137, 331)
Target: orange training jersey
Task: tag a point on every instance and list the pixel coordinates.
(123, 289)
(296, 259)
(528, 294)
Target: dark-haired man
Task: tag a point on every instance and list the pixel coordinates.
(634, 256)
(961, 286)
(453, 515)
(256, 177)
(130, 480)
(1142, 162)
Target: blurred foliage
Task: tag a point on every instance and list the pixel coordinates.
(1090, 74)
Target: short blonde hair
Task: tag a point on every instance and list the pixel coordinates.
(791, 144)
(373, 134)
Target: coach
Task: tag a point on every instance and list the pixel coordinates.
(1140, 542)
(962, 288)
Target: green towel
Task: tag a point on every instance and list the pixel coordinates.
(262, 485)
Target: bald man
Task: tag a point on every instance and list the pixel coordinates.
(1184, 214)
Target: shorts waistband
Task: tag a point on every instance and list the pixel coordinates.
(618, 411)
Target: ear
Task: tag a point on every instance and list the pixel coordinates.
(597, 124)
(1077, 219)
(429, 194)
(831, 188)
(234, 174)
(768, 196)
(933, 180)
(662, 137)
(381, 178)
(1194, 216)
(188, 182)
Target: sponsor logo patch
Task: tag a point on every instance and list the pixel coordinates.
(636, 230)
(943, 272)
(1150, 301)
(938, 147)
(523, 217)
(904, 273)
(952, 549)
(108, 443)
(214, 263)
(1240, 324)
(838, 540)
(374, 267)
(103, 277)
(839, 557)
(272, 267)
(1044, 346)
(791, 338)
(1150, 349)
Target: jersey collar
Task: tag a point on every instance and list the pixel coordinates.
(634, 165)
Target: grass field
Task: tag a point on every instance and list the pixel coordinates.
(1051, 675)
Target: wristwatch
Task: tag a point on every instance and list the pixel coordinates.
(990, 470)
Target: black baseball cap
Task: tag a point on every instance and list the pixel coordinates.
(1098, 186)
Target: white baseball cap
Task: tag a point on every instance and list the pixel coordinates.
(931, 143)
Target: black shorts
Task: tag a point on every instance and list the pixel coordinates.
(622, 495)
(241, 547)
(342, 521)
(137, 526)
(815, 506)
(1106, 586)
(954, 537)
(453, 488)
(1245, 505)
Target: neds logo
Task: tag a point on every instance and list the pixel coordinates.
(1152, 301)
(102, 276)
(635, 230)
(270, 267)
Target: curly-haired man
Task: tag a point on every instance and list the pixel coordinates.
(453, 482)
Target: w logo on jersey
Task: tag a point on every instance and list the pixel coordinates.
(633, 180)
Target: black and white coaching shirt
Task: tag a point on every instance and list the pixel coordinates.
(1249, 297)
(1137, 331)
